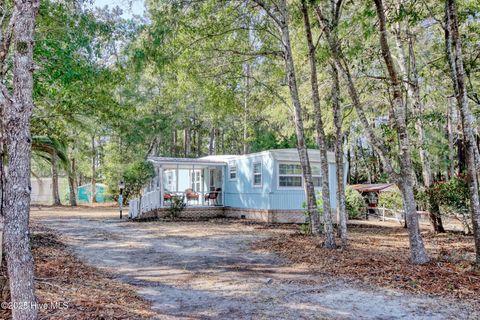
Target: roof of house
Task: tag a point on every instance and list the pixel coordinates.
(199, 161)
(279, 154)
(374, 187)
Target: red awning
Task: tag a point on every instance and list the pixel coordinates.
(373, 187)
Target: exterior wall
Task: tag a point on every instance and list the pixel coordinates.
(241, 193)
(42, 191)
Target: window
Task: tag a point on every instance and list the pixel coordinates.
(233, 172)
(257, 174)
(316, 175)
(290, 175)
(196, 178)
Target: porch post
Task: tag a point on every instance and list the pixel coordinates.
(223, 185)
(161, 185)
(193, 180)
(202, 180)
(176, 179)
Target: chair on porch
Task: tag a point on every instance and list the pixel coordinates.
(213, 196)
(191, 195)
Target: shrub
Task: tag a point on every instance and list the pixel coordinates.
(306, 228)
(354, 203)
(390, 200)
(452, 197)
(177, 204)
(135, 175)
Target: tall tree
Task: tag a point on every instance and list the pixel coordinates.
(18, 110)
(280, 17)
(412, 85)
(320, 132)
(455, 59)
(405, 179)
(55, 186)
(339, 156)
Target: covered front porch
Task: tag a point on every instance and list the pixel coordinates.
(197, 182)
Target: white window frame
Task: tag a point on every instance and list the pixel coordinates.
(253, 174)
(230, 167)
(294, 175)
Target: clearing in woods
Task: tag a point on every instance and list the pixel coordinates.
(208, 270)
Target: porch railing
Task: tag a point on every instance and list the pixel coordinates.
(148, 202)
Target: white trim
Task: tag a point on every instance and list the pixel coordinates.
(253, 174)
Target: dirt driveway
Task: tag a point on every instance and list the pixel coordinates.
(206, 270)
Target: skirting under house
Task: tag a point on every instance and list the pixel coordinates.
(269, 216)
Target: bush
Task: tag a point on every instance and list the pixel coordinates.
(453, 193)
(177, 204)
(135, 175)
(354, 204)
(452, 197)
(390, 200)
(306, 228)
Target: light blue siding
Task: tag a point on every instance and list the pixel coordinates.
(240, 193)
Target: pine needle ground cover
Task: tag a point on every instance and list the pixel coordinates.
(378, 255)
(69, 289)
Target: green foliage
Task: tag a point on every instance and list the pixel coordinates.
(177, 204)
(135, 175)
(390, 200)
(453, 199)
(354, 204)
(452, 194)
(305, 228)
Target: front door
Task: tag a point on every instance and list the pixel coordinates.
(215, 183)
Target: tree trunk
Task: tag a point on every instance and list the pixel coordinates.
(199, 142)
(187, 142)
(404, 179)
(455, 58)
(337, 119)
(211, 144)
(56, 194)
(413, 90)
(2, 184)
(222, 139)
(418, 253)
(173, 150)
(17, 188)
(72, 183)
(94, 173)
(245, 109)
(321, 141)
(451, 145)
(298, 121)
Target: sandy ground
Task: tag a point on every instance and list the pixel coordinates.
(206, 270)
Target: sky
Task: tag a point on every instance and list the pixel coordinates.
(129, 7)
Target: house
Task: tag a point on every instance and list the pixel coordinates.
(266, 185)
